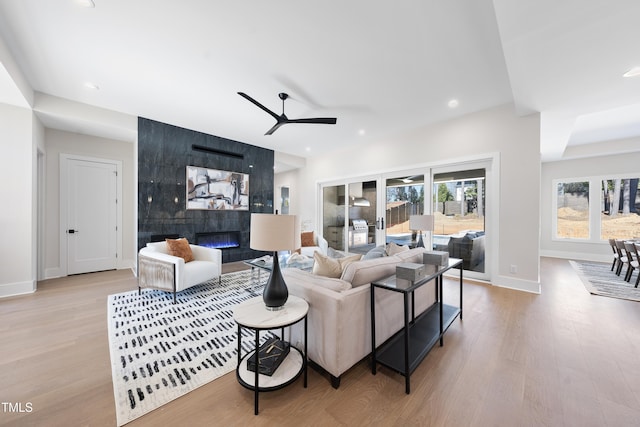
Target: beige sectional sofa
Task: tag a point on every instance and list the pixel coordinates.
(339, 319)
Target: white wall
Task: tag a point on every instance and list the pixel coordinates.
(579, 168)
(60, 142)
(497, 130)
(18, 213)
(287, 179)
(38, 136)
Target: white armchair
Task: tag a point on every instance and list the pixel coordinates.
(321, 245)
(159, 270)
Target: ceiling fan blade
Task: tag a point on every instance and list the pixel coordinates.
(275, 127)
(318, 120)
(250, 99)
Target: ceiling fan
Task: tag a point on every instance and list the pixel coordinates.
(282, 119)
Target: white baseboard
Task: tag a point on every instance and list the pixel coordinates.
(507, 282)
(56, 272)
(517, 284)
(126, 264)
(19, 288)
(52, 273)
(577, 256)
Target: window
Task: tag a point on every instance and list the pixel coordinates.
(572, 210)
(619, 217)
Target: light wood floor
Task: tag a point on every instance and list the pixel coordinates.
(562, 358)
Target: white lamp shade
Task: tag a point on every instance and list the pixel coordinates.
(273, 232)
(421, 222)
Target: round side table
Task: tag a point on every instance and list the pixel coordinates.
(253, 314)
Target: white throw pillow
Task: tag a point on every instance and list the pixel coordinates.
(326, 266)
(331, 267)
(393, 249)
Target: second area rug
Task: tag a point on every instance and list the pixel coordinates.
(598, 279)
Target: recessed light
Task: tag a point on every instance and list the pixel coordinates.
(86, 3)
(308, 149)
(634, 72)
(361, 132)
(453, 103)
(92, 86)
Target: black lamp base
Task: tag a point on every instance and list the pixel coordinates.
(275, 292)
(420, 242)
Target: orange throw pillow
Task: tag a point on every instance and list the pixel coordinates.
(180, 248)
(307, 239)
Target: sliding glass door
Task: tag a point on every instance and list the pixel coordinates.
(405, 196)
(459, 210)
(358, 215)
(349, 214)
(361, 216)
(333, 215)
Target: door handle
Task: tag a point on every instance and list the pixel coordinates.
(72, 231)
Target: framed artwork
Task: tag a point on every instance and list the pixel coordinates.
(212, 189)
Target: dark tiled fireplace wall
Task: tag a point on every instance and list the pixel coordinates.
(164, 152)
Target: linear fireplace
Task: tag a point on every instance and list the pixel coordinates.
(219, 239)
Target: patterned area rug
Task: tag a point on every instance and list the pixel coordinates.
(161, 351)
(598, 278)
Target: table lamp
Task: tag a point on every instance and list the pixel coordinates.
(421, 223)
(273, 233)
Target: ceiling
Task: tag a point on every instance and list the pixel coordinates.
(381, 69)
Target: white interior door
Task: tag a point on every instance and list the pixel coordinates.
(91, 220)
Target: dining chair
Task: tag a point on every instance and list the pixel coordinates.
(632, 256)
(616, 257)
(637, 248)
(622, 256)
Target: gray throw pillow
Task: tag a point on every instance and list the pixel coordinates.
(333, 253)
(377, 252)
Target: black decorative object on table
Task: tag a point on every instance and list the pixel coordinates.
(275, 292)
(270, 355)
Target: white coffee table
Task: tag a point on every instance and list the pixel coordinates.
(253, 314)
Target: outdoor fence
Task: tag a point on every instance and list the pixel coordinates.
(401, 213)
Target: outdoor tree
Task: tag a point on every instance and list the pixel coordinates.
(626, 193)
(444, 195)
(619, 194)
(401, 193)
(614, 201)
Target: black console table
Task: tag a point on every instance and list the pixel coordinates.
(404, 351)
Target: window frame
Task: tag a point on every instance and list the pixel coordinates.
(595, 202)
(554, 205)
